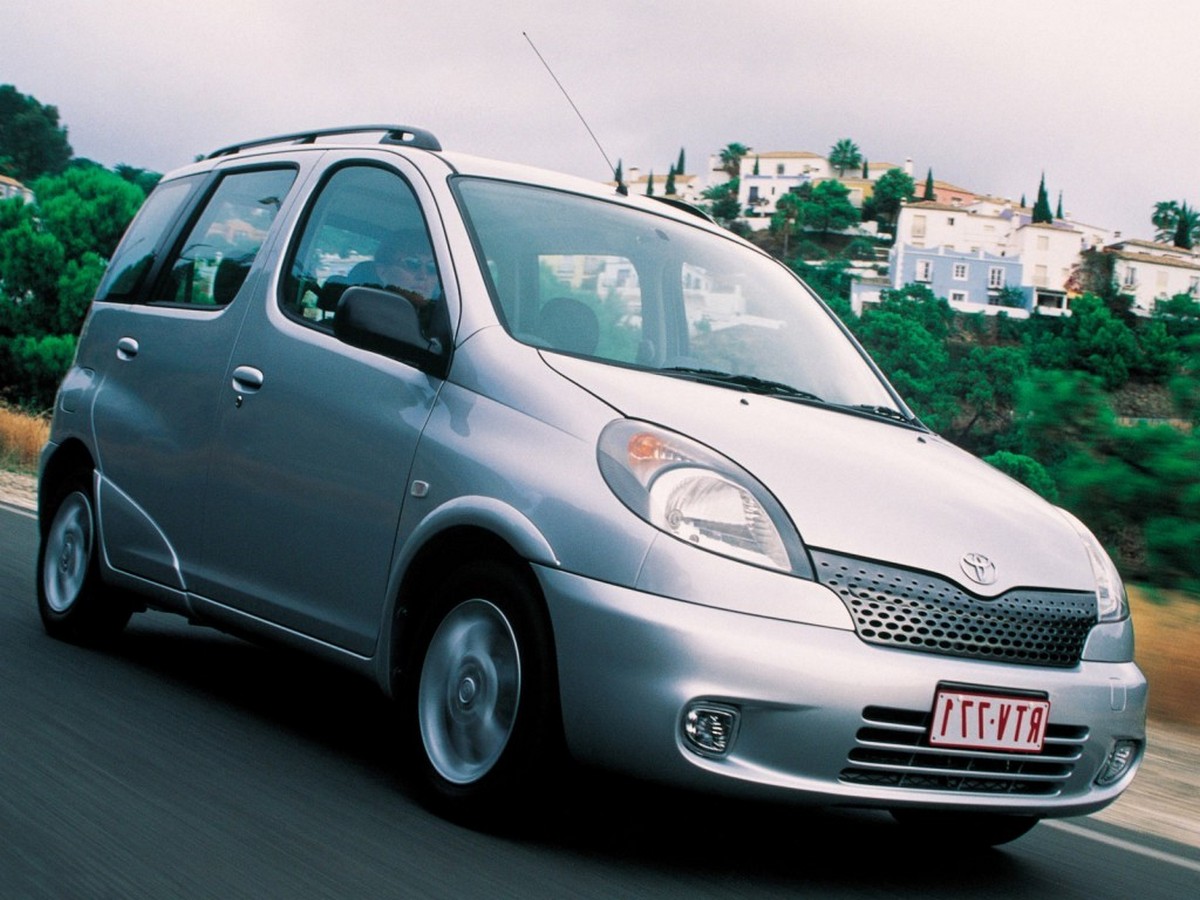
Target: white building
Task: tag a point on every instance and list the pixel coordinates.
(1150, 272)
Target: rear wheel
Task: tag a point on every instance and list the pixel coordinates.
(74, 604)
(965, 829)
(484, 699)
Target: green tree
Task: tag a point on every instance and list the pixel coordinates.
(930, 193)
(905, 334)
(679, 163)
(985, 384)
(650, 185)
(143, 179)
(1176, 223)
(1102, 343)
(1187, 227)
(1041, 207)
(866, 169)
(669, 188)
(1059, 213)
(893, 188)
(731, 159)
(843, 155)
(30, 262)
(723, 202)
(32, 142)
(87, 208)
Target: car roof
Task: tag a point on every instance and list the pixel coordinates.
(407, 137)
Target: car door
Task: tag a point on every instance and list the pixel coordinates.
(161, 335)
(315, 437)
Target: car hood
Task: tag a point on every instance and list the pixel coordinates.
(860, 486)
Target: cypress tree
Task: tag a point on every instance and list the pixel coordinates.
(679, 163)
(650, 185)
(866, 170)
(1041, 208)
(929, 192)
(670, 188)
(1059, 214)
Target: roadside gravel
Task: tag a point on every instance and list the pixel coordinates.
(1164, 799)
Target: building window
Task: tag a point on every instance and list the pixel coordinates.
(918, 227)
(995, 277)
(1130, 277)
(779, 168)
(924, 270)
(1194, 285)
(950, 220)
(960, 271)
(1040, 278)
(958, 296)
(1043, 242)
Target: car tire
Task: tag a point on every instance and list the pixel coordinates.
(965, 829)
(484, 699)
(75, 605)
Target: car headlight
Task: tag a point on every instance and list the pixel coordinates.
(1111, 599)
(698, 496)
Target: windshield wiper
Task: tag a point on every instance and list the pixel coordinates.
(883, 412)
(749, 382)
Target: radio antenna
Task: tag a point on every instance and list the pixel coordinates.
(621, 186)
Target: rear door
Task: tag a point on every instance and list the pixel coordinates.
(160, 337)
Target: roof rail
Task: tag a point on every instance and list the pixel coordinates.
(392, 134)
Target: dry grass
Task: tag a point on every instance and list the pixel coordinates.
(21, 439)
(1167, 624)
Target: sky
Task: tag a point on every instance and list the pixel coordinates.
(1100, 96)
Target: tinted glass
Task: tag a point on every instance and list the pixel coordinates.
(136, 253)
(599, 279)
(220, 247)
(365, 228)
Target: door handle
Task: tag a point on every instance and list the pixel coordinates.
(247, 379)
(127, 348)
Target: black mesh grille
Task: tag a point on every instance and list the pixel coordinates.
(916, 611)
(892, 751)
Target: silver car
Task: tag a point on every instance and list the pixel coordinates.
(571, 474)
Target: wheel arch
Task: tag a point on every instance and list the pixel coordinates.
(69, 457)
(464, 529)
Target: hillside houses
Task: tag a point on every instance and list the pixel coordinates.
(981, 253)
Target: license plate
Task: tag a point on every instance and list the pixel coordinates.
(983, 721)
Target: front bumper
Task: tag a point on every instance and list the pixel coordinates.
(815, 707)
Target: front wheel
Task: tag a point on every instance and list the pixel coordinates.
(965, 829)
(485, 695)
(73, 602)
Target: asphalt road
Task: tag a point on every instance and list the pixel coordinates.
(182, 763)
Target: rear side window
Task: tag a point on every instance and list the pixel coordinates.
(214, 258)
(135, 255)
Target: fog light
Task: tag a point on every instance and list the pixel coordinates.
(709, 729)
(1120, 758)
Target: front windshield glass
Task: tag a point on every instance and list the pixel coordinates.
(600, 280)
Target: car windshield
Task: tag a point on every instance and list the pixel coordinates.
(601, 280)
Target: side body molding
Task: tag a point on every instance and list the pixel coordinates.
(133, 543)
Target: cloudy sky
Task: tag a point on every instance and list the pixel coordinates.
(1100, 95)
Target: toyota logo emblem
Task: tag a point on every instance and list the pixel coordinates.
(978, 568)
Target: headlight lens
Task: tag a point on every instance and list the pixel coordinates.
(1110, 590)
(698, 496)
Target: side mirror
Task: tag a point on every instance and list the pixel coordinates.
(385, 322)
